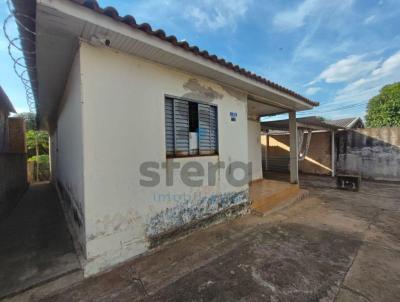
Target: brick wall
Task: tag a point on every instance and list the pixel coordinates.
(317, 161)
(16, 135)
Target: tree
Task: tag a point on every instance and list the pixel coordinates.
(37, 143)
(384, 109)
(42, 146)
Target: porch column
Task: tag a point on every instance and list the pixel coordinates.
(294, 163)
(333, 163)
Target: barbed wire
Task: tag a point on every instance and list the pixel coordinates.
(18, 55)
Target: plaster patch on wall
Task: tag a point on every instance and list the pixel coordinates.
(192, 210)
(111, 224)
(198, 91)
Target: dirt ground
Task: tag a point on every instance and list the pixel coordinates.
(333, 246)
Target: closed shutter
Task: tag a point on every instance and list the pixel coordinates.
(181, 118)
(169, 127)
(213, 129)
(207, 129)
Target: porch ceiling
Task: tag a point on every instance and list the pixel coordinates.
(257, 108)
(60, 25)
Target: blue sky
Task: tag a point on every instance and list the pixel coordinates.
(337, 52)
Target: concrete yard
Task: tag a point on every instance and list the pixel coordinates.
(333, 246)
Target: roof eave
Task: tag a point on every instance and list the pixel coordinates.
(110, 21)
(5, 102)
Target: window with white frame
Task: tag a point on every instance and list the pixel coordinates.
(191, 128)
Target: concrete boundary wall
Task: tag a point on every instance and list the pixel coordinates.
(372, 153)
(13, 179)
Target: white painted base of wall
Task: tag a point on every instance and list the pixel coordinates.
(107, 260)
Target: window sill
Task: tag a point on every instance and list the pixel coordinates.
(192, 156)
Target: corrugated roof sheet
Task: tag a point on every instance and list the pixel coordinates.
(145, 27)
(312, 121)
(344, 122)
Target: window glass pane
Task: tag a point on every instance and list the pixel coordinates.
(193, 128)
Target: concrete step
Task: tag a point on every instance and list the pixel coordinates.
(278, 201)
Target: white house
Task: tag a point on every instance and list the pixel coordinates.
(126, 105)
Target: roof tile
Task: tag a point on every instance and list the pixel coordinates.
(145, 27)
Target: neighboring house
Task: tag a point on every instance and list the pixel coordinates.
(5, 109)
(13, 180)
(317, 148)
(124, 104)
(348, 123)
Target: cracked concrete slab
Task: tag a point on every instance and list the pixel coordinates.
(375, 274)
(333, 246)
(288, 262)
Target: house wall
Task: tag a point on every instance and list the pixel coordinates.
(66, 147)
(13, 180)
(16, 135)
(254, 146)
(277, 153)
(3, 130)
(372, 153)
(123, 114)
(13, 170)
(318, 159)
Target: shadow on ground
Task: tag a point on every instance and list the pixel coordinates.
(36, 245)
(333, 246)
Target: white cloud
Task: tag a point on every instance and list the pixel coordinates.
(347, 69)
(389, 66)
(370, 20)
(216, 14)
(296, 17)
(202, 14)
(368, 86)
(291, 19)
(312, 90)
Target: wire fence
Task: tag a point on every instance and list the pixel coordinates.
(18, 55)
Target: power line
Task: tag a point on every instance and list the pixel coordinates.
(334, 109)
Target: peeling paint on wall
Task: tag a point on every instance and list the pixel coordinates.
(372, 153)
(198, 91)
(191, 210)
(113, 237)
(74, 214)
